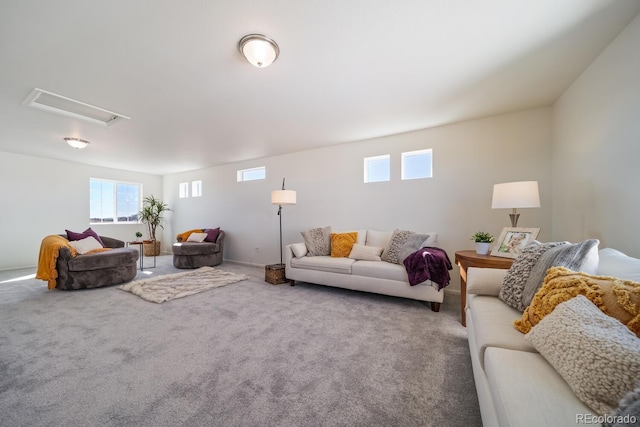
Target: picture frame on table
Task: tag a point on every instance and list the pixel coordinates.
(512, 240)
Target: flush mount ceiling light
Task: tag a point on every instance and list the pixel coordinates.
(77, 142)
(258, 49)
(54, 103)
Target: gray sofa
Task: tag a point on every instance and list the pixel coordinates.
(94, 270)
(198, 254)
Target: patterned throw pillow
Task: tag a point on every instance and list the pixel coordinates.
(413, 243)
(341, 244)
(516, 278)
(318, 241)
(616, 297)
(594, 353)
(392, 252)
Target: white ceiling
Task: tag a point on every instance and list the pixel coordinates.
(348, 70)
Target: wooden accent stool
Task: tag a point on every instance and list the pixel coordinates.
(466, 259)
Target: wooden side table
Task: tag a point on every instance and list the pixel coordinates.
(466, 259)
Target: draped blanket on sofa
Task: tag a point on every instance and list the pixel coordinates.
(428, 263)
(49, 249)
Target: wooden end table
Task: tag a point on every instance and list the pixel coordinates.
(466, 259)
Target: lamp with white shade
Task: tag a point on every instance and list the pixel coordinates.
(282, 197)
(514, 195)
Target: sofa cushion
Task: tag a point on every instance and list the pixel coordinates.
(617, 264)
(516, 278)
(212, 234)
(379, 239)
(382, 270)
(324, 263)
(197, 237)
(366, 253)
(527, 391)
(85, 245)
(342, 243)
(581, 256)
(392, 251)
(195, 248)
(493, 325)
(616, 297)
(318, 241)
(362, 235)
(96, 261)
(597, 355)
(299, 249)
(72, 235)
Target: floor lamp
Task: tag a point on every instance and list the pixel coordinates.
(282, 197)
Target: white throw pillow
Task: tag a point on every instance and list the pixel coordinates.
(365, 253)
(85, 245)
(379, 239)
(197, 237)
(299, 250)
(597, 356)
(614, 263)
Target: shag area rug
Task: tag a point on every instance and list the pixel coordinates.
(179, 285)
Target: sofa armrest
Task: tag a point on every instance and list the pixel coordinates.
(485, 281)
(110, 242)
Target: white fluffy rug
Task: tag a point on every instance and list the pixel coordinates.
(171, 286)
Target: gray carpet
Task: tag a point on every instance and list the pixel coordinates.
(247, 354)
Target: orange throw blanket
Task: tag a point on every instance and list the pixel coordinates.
(182, 237)
(49, 250)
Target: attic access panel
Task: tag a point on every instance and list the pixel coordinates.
(58, 104)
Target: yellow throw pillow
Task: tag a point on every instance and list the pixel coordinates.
(341, 244)
(616, 297)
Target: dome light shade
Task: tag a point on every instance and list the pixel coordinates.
(77, 142)
(259, 50)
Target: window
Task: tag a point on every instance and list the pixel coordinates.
(196, 189)
(114, 201)
(377, 169)
(417, 164)
(184, 190)
(252, 174)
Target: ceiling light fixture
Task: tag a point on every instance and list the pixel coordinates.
(259, 50)
(77, 142)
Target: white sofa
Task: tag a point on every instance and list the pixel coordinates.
(369, 276)
(516, 385)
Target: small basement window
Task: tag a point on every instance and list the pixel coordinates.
(377, 168)
(417, 164)
(252, 174)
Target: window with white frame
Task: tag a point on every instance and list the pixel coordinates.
(377, 168)
(184, 190)
(417, 164)
(196, 189)
(114, 202)
(252, 174)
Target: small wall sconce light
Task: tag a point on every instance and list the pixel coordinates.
(259, 49)
(77, 142)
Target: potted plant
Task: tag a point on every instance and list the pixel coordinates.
(138, 235)
(483, 242)
(151, 215)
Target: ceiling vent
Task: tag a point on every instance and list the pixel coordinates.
(54, 103)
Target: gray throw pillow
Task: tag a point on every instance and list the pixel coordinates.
(581, 256)
(628, 410)
(516, 278)
(318, 241)
(391, 252)
(413, 243)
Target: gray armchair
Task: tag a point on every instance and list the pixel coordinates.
(198, 254)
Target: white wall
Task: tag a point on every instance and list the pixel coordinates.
(42, 196)
(596, 150)
(469, 158)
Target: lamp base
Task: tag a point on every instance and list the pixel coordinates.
(514, 219)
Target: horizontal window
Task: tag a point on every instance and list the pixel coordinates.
(377, 168)
(114, 201)
(417, 164)
(252, 174)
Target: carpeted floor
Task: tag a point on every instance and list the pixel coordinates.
(246, 354)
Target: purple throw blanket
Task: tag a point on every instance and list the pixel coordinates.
(428, 264)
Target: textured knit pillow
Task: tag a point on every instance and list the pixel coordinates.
(318, 241)
(391, 253)
(516, 278)
(365, 253)
(342, 243)
(616, 297)
(594, 353)
(581, 256)
(413, 243)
